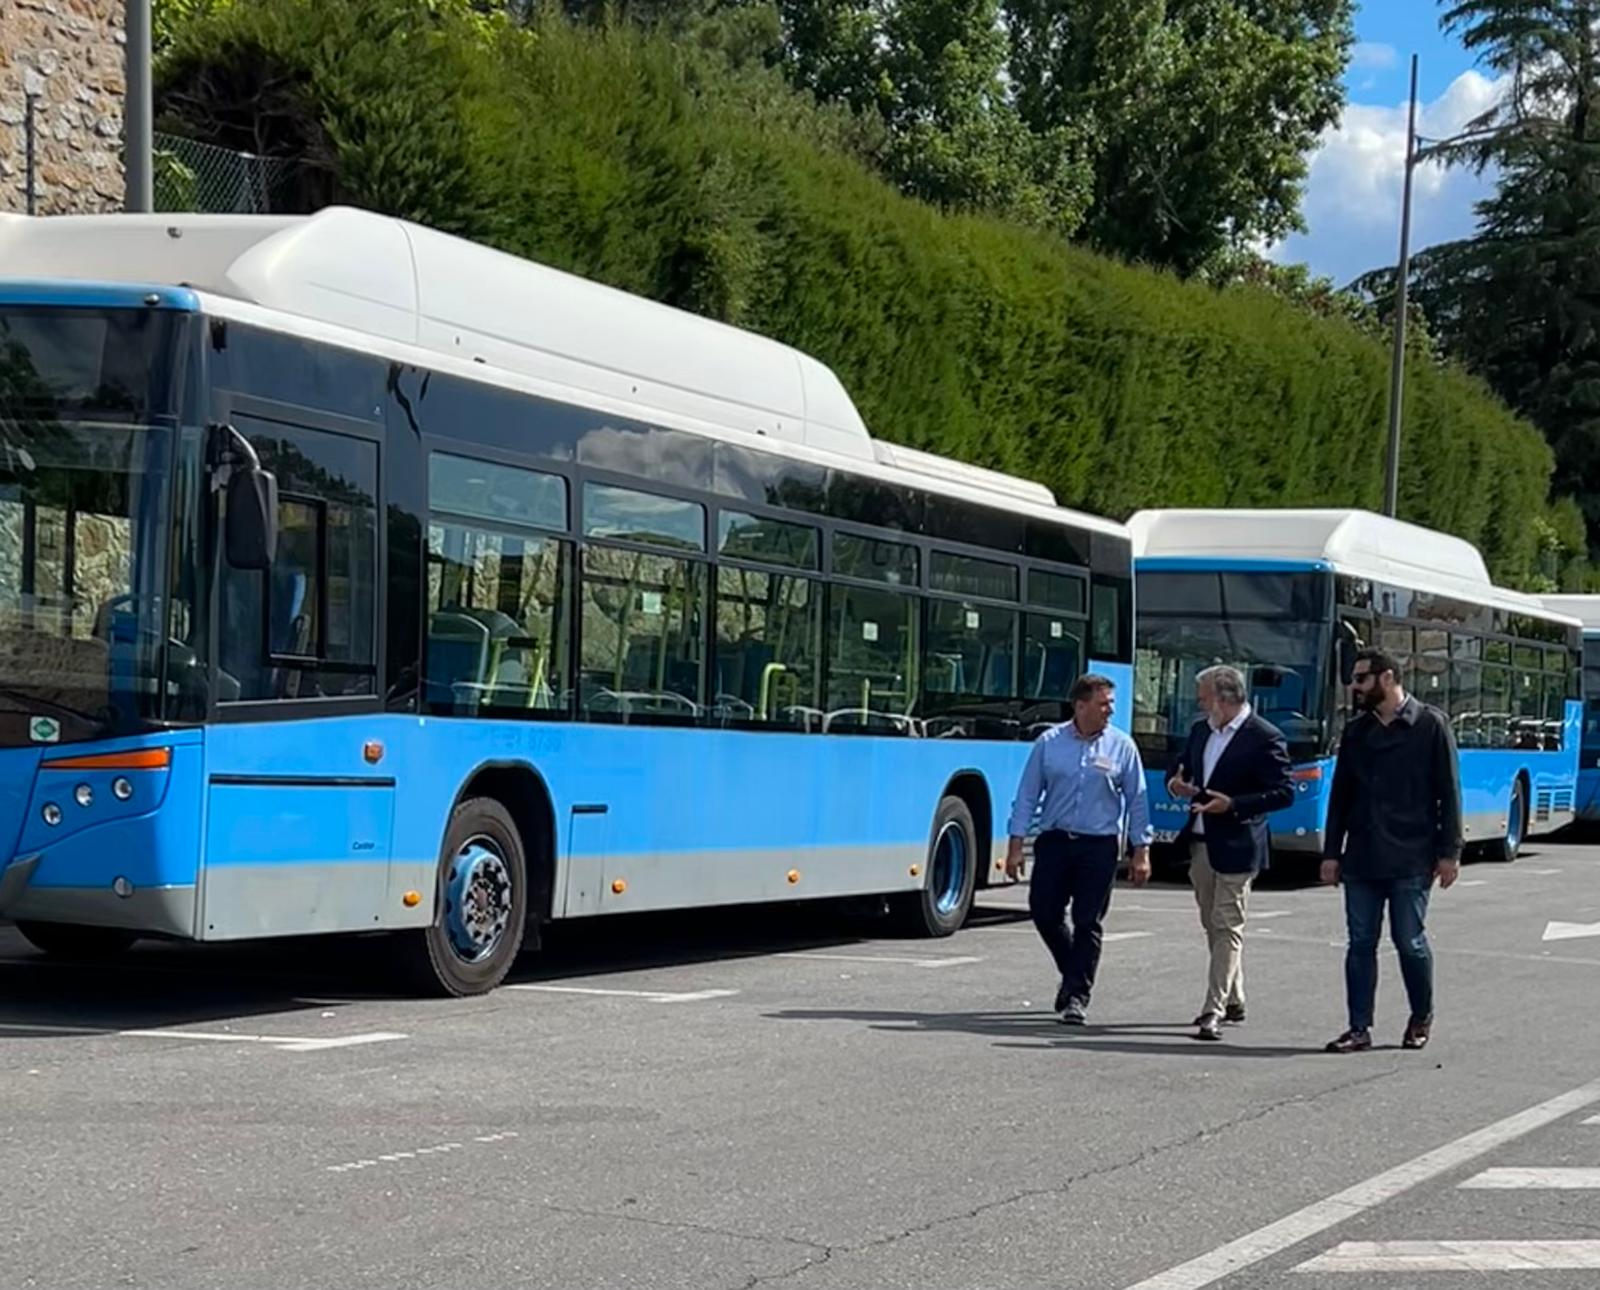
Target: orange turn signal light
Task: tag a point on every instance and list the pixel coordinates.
(134, 759)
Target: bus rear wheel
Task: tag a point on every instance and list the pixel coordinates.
(1507, 848)
(480, 905)
(69, 941)
(950, 873)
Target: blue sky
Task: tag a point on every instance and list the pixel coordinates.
(1352, 202)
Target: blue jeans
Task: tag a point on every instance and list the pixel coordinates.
(1407, 899)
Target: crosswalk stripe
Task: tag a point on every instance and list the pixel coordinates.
(1456, 1256)
(1518, 1179)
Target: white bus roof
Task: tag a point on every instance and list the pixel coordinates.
(1349, 541)
(394, 288)
(1586, 609)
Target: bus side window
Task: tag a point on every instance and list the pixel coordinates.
(307, 628)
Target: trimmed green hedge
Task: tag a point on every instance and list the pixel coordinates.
(661, 171)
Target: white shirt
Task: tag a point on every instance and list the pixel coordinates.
(1216, 744)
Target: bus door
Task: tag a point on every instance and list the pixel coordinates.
(300, 788)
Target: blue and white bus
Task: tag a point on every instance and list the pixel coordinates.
(1586, 609)
(357, 578)
(1290, 596)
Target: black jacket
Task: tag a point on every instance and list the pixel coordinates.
(1395, 808)
(1254, 771)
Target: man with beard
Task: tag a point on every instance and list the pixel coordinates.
(1394, 826)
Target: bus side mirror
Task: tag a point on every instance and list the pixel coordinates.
(252, 527)
(1347, 659)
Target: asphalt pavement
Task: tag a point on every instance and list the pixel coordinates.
(796, 1097)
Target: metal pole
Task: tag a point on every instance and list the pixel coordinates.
(30, 165)
(1397, 372)
(139, 110)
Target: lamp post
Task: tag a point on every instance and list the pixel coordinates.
(1397, 369)
(138, 110)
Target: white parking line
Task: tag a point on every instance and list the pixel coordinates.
(896, 959)
(1473, 882)
(395, 1157)
(1321, 1215)
(1456, 1256)
(650, 996)
(1593, 1119)
(1517, 1179)
(284, 1043)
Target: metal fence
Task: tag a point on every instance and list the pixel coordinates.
(194, 176)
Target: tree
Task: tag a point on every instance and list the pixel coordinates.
(1200, 113)
(1520, 301)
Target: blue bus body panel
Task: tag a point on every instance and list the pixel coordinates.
(1589, 793)
(328, 824)
(54, 293)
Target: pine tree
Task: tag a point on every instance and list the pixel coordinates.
(1520, 301)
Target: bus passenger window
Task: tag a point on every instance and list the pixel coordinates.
(497, 629)
(641, 628)
(872, 661)
(769, 640)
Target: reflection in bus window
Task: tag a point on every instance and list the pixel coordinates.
(769, 638)
(497, 634)
(872, 661)
(641, 622)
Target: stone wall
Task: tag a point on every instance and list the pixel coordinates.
(69, 55)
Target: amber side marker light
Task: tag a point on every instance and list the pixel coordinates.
(136, 759)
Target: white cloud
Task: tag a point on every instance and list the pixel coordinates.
(1352, 201)
(1370, 56)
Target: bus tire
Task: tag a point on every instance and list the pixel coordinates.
(1506, 849)
(480, 905)
(70, 941)
(949, 876)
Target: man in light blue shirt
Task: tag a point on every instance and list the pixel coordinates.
(1085, 782)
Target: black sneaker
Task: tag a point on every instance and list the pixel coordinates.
(1073, 1012)
(1352, 1041)
(1210, 1027)
(1234, 1016)
(1063, 996)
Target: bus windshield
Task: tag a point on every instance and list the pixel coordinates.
(1591, 694)
(1273, 627)
(83, 519)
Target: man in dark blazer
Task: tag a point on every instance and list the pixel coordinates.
(1234, 770)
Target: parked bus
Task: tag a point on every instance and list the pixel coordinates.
(1586, 609)
(357, 578)
(1289, 597)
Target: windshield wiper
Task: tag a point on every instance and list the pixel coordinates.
(27, 701)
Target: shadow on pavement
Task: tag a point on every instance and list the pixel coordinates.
(1040, 1029)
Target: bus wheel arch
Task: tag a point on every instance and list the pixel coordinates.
(519, 788)
(971, 787)
(955, 858)
(1518, 814)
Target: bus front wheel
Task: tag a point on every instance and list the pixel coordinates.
(1505, 849)
(949, 875)
(69, 941)
(480, 904)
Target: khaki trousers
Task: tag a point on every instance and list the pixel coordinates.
(1223, 899)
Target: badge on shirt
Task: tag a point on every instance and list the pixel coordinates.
(1104, 763)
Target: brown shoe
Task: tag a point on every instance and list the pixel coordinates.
(1417, 1033)
(1352, 1041)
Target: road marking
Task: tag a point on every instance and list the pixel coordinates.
(1125, 936)
(1593, 1119)
(897, 959)
(1543, 873)
(1319, 1216)
(395, 1157)
(651, 996)
(1456, 1256)
(284, 1043)
(1557, 931)
(1455, 951)
(1473, 882)
(1517, 1179)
